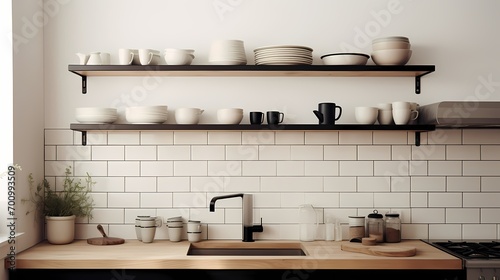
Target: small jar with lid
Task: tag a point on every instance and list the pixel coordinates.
(392, 228)
(356, 227)
(375, 226)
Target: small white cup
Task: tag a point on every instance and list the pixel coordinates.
(148, 56)
(138, 226)
(384, 106)
(146, 221)
(384, 117)
(398, 105)
(403, 116)
(105, 58)
(125, 56)
(175, 233)
(194, 226)
(148, 233)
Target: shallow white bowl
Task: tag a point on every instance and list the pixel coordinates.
(345, 59)
(391, 56)
(391, 38)
(230, 115)
(188, 115)
(178, 58)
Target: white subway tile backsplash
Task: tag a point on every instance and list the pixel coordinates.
(463, 184)
(306, 152)
(267, 152)
(390, 137)
(207, 153)
(224, 137)
(123, 200)
(124, 138)
(481, 168)
(463, 152)
(140, 152)
(108, 153)
(58, 137)
(157, 137)
(374, 184)
(242, 152)
(291, 184)
(428, 184)
(445, 189)
(289, 137)
(321, 168)
(444, 168)
(124, 168)
(484, 200)
(190, 138)
(374, 152)
(445, 199)
(140, 184)
(156, 200)
(340, 184)
(321, 137)
(355, 137)
(340, 152)
(190, 168)
(290, 168)
(356, 168)
(462, 215)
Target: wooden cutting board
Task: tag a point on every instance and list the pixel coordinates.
(104, 240)
(385, 250)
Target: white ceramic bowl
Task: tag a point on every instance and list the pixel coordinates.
(178, 56)
(146, 114)
(366, 115)
(384, 45)
(96, 115)
(345, 59)
(188, 115)
(392, 39)
(230, 115)
(391, 56)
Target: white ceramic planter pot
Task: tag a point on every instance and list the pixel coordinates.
(60, 230)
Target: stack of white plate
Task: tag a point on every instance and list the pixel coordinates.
(227, 52)
(283, 55)
(146, 114)
(96, 115)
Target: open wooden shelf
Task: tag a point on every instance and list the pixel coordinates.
(416, 71)
(246, 127)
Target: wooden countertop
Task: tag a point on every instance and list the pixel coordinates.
(163, 254)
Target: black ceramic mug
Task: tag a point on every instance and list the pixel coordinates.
(256, 117)
(275, 117)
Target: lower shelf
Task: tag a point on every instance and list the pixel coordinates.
(244, 127)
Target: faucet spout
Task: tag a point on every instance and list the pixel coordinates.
(247, 219)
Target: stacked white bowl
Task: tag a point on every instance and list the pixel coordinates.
(227, 52)
(230, 115)
(394, 50)
(96, 115)
(146, 114)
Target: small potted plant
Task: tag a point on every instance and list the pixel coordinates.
(61, 208)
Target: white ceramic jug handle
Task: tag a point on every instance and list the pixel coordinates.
(131, 58)
(151, 55)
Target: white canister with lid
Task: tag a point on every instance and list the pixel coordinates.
(356, 227)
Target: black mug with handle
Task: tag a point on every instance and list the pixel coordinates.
(275, 117)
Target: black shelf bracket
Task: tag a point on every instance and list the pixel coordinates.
(417, 138)
(84, 84)
(84, 138)
(417, 84)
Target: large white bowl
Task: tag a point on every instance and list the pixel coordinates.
(366, 115)
(391, 56)
(230, 115)
(345, 59)
(188, 115)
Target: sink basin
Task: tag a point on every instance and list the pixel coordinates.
(245, 249)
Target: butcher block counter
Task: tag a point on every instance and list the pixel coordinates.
(163, 254)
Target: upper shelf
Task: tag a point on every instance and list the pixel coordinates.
(416, 71)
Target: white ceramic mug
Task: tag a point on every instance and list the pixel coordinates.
(148, 233)
(146, 221)
(105, 58)
(175, 233)
(384, 117)
(194, 226)
(148, 56)
(403, 116)
(125, 56)
(398, 105)
(194, 236)
(138, 226)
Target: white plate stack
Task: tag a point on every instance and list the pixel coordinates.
(227, 52)
(96, 115)
(283, 55)
(146, 114)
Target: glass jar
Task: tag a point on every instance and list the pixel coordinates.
(356, 227)
(375, 226)
(392, 228)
